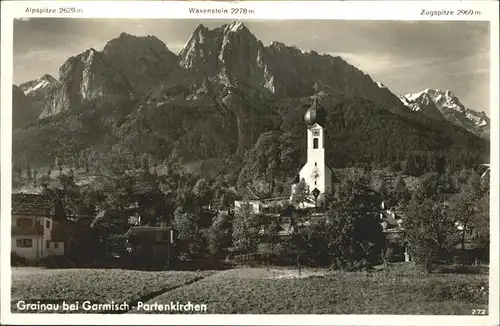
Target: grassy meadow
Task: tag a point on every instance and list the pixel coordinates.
(258, 291)
(96, 285)
(398, 290)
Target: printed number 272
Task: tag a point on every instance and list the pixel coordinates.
(479, 311)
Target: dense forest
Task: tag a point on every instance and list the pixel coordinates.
(261, 143)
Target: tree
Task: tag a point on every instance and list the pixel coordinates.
(480, 224)
(219, 235)
(459, 178)
(428, 229)
(353, 231)
(118, 184)
(269, 157)
(354, 239)
(273, 155)
(186, 200)
(186, 224)
(447, 180)
(297, 242)
(154, 208)
(429, 186)
(80, 205)
(399, 193)
(227, 199)
(202, 192)
(270, 238)
(246, 231)
(300, 193)
(464, 205)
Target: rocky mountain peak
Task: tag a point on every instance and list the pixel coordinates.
(451, 108)
(131, 43)
(124, 35)
(40, 84)
(143, 60)
(48, 78)
(228, 55)
(86, 76)
(206, 46)
(89, 59)
(235, 27)
(234, 56)
(443, 99)
(277, 45)
(200, 48)
(200, 28)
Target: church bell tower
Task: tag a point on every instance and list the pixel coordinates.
(316, 173)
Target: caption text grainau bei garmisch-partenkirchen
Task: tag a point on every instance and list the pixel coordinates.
(89, 306)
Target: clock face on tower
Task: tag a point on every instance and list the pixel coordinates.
(315, 132)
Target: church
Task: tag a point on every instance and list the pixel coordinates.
(316, 174)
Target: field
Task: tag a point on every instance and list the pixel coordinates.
(262, 291)
(96, 285)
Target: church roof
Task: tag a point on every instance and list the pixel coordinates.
(315, 114)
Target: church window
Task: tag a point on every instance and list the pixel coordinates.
(315, 143)
(315, 163)
(315, 183)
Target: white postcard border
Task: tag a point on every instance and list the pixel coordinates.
(345, 10)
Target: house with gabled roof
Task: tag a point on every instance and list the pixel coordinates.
(32, 229)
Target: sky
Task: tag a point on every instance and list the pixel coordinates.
(406, 56)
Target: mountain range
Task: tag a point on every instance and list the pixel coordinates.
(444, 104)
(219, 98)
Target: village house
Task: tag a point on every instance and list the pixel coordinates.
(41, 229)
(150, 244)
(33, 235)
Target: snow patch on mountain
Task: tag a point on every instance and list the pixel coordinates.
(410, 103)
(413, 96)
(450, 106)
(446, 100)
(40, 83)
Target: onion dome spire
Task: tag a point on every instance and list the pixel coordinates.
(316, 113)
